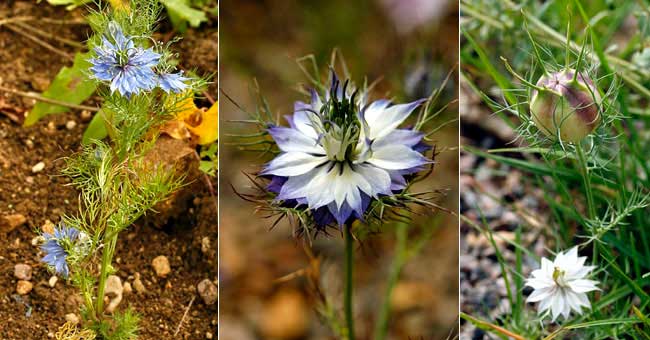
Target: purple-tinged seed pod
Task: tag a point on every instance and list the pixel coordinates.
(568, 108)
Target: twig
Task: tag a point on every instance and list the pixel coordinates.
(60, 21)
(209, 97)
(14, 19)
(50, 35)
(11, 116)
(187, 309)
(44, 20)
(39, 42)
(48, 100)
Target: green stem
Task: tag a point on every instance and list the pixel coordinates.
(586, 177)
(107, 256)
(349, 266)
(587, 181)
(381, 329)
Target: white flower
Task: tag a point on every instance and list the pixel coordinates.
(338, 153)
(560, 286)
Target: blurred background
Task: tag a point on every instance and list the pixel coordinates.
(411, 45)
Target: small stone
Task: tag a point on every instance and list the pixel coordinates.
(51, 128)
(127, 288)
(71, 124)
(161, 266)
(52, 281)
(72, 318)
(29, 180)
(23, 271)
(294, 322)
(208, 291)
(11, 222)
(86, 115)
(208, 335)
(24, 287)
(205, 245)
(38, 167)
(48, 227)
(29, 143)
(138, 286)
(38, 240)
(113, 290)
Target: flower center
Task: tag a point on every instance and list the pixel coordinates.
(340, 144)
(122, 57)
(558, 277)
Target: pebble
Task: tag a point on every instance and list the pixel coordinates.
(205, 245)
(37, 240)
(23, 271)
(38, 167)
(127, 288)
(48, 227)
(51, 128)
(208, 335)
(161, 266)
(72, 318)
(24, 287)
(137, 284)
(52, 281)
(208, 291)
(29, 143)
(11, 222)
(86, 115)
(71, 124)
(113, 290)
(294, 322)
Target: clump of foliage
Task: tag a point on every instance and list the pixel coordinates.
(141, 91)
(587, 63)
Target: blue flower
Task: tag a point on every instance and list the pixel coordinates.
(56, 248)
(173, 82)
(128, 68)
(337, 163)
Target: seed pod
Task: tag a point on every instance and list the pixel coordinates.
(567, 108)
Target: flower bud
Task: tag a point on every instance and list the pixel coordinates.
(568, 107)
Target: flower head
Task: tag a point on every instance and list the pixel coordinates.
(568, 108)
(57, 248)
(560, 286)
(127, 67)
(338, 154)
(172, 82)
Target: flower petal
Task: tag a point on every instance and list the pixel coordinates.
(382, 119)
(293, 164)
(379, 180)
(399, 136)
(305, 120)
(292, 140)
(397, 157)
(583, 285)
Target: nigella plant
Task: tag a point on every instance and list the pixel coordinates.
(141, 89)
(339, 153)
(342, 163)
